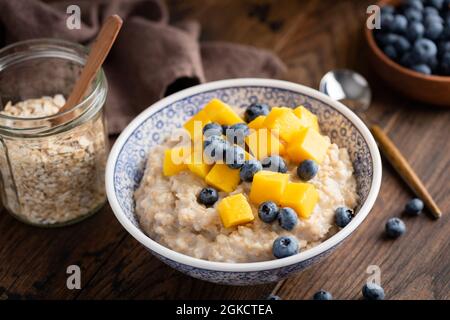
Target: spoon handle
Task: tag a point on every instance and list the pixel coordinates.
(401, 165)
(97, 56)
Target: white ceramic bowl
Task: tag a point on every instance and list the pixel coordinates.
(128, 156)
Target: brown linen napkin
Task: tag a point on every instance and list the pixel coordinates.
(150, 58)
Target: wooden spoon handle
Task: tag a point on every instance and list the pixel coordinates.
(403, 168)
(97, 56)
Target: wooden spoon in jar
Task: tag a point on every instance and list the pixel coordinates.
(99, 50)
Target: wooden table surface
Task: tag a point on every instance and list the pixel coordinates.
(311, 37)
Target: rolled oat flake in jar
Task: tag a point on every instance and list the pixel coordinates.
(52, 164)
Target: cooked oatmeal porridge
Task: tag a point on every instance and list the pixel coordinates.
(169, 212)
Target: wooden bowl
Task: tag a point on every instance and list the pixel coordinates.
(430, 89)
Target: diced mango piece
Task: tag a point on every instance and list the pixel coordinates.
(263, 143)
(197, 164)
(195, 124)
(268, 186)
(307, 144)
(257, 123)
(284, 120)
(223, 178)
(235, 210)
(174, 161)
(221, 113)
(302, 197)
(307, 118)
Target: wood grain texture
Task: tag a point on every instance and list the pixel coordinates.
(311, 37)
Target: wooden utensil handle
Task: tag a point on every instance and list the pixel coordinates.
(401, 165)
(97, 56)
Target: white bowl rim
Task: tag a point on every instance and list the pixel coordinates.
(250, 266)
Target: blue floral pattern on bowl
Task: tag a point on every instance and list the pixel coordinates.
(130, 163)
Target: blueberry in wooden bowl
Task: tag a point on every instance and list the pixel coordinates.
(411, 50)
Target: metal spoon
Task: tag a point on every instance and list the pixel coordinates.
(353, 90)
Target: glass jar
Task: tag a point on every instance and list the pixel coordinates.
(52, 167)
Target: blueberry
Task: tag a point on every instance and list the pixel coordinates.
(237, 133)
(372, 291)
(422, 68)
(424, 50)
(387, 9)
(408, 60)
(343, 216)
(224, 129)
(235, 157)
(430, 11)
(287, 218)
(395, 227)
(208, 196)
(416, 4)
(215, 149)
(273, 297)
(322, 295)
(248, 170)
(415, 31)
(285, 246)
(268, 211)
(212, 129)
(255, 110)
(438, 4)
(414, 207)
(413, 15)
(386, 39)
(433, 18)
(307, 170)
(433, 30)
(400, 23)
(390, 52)
(274, 163)
(402, 45)
(387, 22)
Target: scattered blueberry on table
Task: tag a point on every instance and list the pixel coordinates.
(212, 129)
(208, 196)
(343, 216)
(268, 211)
(248, 170)
(287, 218)
(322, 295)
(414, 207)
(255, 110)
(372, 291)
(274, 163)
(285, 246)
(273, 297)
(307, 170)
(395, 227)
(416, 34)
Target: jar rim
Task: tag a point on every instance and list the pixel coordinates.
(97, 82)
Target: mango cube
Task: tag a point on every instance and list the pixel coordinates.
(307, 118)
(263, 143)
(235, 210)
(307, 144)
(174, 161)
(257, 123)
(196, 162)
(195, 124)
(268, 186)
(219, 112)
(302, 197)
(223, 178)
(284, 120)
